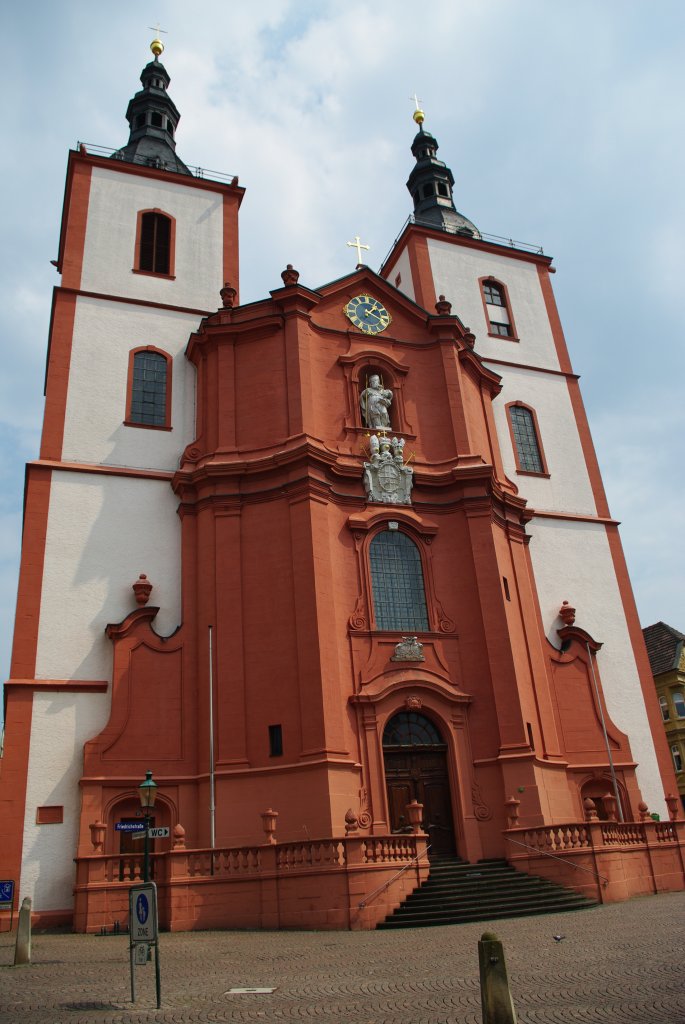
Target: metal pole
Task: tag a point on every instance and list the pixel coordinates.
(212, 807)
(158, 980)
(606, 737)
(146, 852)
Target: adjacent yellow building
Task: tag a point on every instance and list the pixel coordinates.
(666, 650)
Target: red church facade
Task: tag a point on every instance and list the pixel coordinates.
(371, 613)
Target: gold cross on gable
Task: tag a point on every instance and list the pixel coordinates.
(416, 100)
(156, 29)
(358, 246)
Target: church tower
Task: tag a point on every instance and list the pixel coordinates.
(335, 566)
(145, 247)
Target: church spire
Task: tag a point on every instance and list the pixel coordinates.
(430, 184)
(153, 119)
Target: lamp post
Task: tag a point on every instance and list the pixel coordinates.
(148, 792)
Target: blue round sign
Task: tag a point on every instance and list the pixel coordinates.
(142, 908)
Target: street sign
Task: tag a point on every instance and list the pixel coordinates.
(143, 932)
(6, 892)
(142, 912)
(141, 953)
(158, 833)
(129, 826)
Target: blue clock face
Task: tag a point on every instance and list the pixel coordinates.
(367, 313)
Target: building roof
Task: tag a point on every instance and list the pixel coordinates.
(664, 647)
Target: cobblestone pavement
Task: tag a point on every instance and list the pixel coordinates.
(618, 964)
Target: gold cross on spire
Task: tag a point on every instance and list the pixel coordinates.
(358, 246)
(157, 46)
(418, 114)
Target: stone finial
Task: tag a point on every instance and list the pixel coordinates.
(610, 805)
(179, 842)
(590, 810)
(290, 275)
(351, 822)
(512, 805)
(672, 804)
(643, 810)
(567, 613)
(97, 835)
(415, 815)
(269, 824)
(142, 588)
(228, 294)
(443, 307)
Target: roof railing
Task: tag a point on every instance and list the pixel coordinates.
(509, 243)
(197, 172)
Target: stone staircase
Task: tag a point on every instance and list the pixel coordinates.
(456, 892)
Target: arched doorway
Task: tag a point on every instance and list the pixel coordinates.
(415, 759)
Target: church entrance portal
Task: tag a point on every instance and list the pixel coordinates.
(415, 759)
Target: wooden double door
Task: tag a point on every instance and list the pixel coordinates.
(420, 773)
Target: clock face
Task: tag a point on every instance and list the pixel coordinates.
(367, 313)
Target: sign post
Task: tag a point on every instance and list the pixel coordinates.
(143, 931)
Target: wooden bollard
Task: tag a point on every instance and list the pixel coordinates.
(498, 1006)
(22, 947)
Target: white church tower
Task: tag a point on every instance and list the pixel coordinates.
(503, 291)
(146, 244)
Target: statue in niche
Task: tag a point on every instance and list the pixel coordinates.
(375, 401)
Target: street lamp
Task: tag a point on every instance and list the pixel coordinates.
(148, 792)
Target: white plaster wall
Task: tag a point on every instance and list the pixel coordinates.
(60, 725)
(104, 334)
(103, 531)
(568, 487)
(115, 199)
(572, 562)
(456, 271)
(403, 268)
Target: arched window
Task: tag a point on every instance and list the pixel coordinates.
(410, 729)
(155, 243)
(149, 389)
(525, 437)
(399, 599)
(497, 308)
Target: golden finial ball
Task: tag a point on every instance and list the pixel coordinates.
(419, 116)
(157, 47)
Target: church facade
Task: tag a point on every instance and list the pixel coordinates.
(336, 566)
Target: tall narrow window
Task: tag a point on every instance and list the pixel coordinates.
(665, 713)
(399, 599)
(155, 243)
(497, 309)
(149, 398)
(677, 757)
(526, 439)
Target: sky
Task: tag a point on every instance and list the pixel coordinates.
(560, 119)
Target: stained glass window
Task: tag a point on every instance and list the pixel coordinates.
(148, 398)
(399, 600)
(410, 729)
(526, 438)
